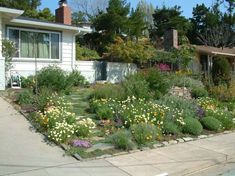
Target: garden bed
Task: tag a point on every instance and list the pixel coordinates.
(113, 119)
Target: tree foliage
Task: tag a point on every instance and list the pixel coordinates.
(165, 18)
(30, 8)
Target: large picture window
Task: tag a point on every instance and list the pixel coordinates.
(39, 44)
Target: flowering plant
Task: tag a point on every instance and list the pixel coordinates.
(84, 127)
(207, 103)
(81, 143)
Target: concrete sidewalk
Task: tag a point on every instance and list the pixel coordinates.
(24, 153)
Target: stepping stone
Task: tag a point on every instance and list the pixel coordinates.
(187, 139)
(202, 136)
(172, 142)
(180, 140)
(165, 143)
(100, 146)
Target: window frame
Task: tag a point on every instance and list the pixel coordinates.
(38, 31)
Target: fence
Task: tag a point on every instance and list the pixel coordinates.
(105, 71)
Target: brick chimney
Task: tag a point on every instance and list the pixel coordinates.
(63, 13)
(170, 39)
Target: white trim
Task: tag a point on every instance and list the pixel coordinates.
(51, 25)
(39, 31)
(221, 53)
(12, 11)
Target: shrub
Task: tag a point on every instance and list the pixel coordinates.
(197, 92)
(211, 123)
(42, 98)
(221, 71)
(76, 79)
(108, 91)
(192, 126)
(157, 82)
(136, 85)
(171, 128)
(144, 133)
(207, 103)
(28, 82)
(25, 97)
(187, 108)
(122, 140)
(84, 127)
(53, 78)
(225, 117)
(83, 53)
(223, 93)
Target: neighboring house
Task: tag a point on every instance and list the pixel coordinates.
(39, 43)
(205, 54)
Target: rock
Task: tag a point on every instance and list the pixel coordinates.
(172, 142)
(96, 138)
(187, 139)
(210, 135)
(100, 146)
(121, 153)
(157, 145)
(77, 156)
(165, 143)
(202, 136)
(180, 140)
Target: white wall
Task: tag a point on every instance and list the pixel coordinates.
(116, 72)
(2, 60)
(87, 69)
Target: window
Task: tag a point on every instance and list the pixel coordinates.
(31, 43)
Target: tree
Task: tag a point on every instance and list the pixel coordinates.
(148, 11)
(78, 17)
(212, 27)
(136, 23)
(46, 14)
(89, 8)
(165, 18)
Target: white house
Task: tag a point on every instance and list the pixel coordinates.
(48, 42)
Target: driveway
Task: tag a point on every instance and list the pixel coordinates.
(23, 152)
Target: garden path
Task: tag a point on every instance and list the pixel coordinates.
(23, 152)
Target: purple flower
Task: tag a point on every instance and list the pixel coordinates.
(81, 143)
(200, 112)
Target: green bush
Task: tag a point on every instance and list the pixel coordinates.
(192, 126)
(122, 140)
(83, 53)
(157, 82)
(211, 123)
(42, 98)
(221, 71)
(197, 92)
(136, 85)
(28, 82)
(107, 91)
(170, 127)
(25, 97)
(225, 117)
(53, 78)
(143, 133)
(186, 107)
(76, 79)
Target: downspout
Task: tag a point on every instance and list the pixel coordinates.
(74, 51)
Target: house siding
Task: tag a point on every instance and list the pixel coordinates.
(27, 67)
(2, 61)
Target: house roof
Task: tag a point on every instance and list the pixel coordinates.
(42, 23)
(228, 52)
(14, 16)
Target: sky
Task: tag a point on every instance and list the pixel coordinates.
(186, 5)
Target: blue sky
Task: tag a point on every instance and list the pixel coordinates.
(186, 5)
